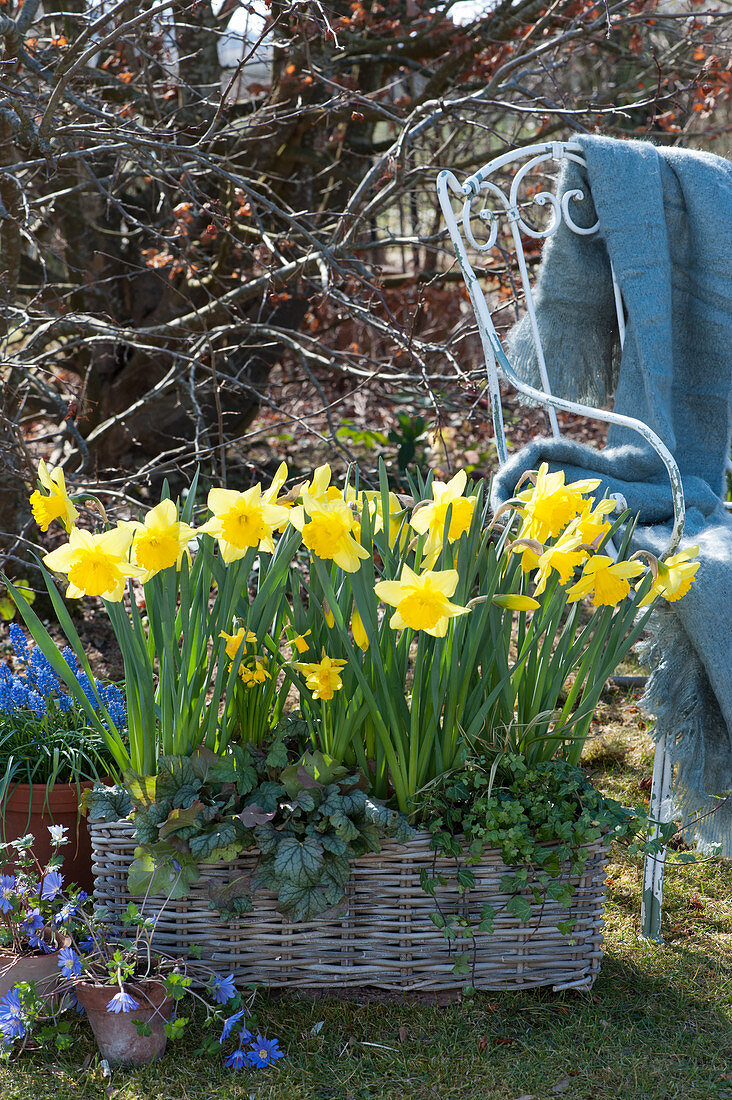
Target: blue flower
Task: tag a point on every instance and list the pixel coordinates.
(69, 963)
(64, 702)
(7, 892)
(37, 703)
(52, 885)
(115, 704)
(229, 1023)
(70, 657)
(223, 988)
(264, 1052)
(237, 1059)
(19, 693)
(32, 927)
(40, 673)
(86, 687)
(122, 1002)
(12, 1021)
(19, 642)
(66, 912)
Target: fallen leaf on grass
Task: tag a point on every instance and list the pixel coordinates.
(562, 1085)
(483, 1044)
(402, 1034)
(526, 1096)
(316, 1027)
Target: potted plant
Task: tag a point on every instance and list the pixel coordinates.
(427, 639)
(37, 913)
(49, 752)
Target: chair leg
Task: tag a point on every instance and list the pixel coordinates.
(653, 868)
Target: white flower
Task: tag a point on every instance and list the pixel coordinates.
(58, 834)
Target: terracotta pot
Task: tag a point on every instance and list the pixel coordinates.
(28, 810)
(115, 1033)
(41, 969)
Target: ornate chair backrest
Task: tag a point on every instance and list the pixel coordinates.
(506, 201)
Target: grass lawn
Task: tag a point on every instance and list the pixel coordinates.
(656, 1026)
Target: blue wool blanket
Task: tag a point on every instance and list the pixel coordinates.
(665, 223)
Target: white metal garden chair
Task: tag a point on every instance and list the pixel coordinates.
(483, 199)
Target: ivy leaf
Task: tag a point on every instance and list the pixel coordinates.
(565, 926)
(562, 893)
(161, 871)
(299, 863)
(466, 878)
(487, 918)
(461, 966)
(231, 898)
(520, 908)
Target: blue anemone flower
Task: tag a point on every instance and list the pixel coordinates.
(223, 988)
(52, 885)
(12, 1017)
(237, 1059)
(69, 963)
(264, 1052)
(7, 892)
(229, 1023)
(122, 1002)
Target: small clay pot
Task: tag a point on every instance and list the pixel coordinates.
(41, 969)
(116, 1035)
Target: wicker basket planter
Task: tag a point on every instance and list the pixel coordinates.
(382, 935)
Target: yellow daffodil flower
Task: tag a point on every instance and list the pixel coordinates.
(243, 520)
(592, 523)
(270, 495)
(324, 677)
(563, 557)
(56, 505)
(605, 580)
(328, 532)
(422, 601)
(430, 518)
(257, 675)
(96, 565)
(316, 491)
(234, 641)
(675, 577)
(529, 549)
(514, 602)
(161, 540)
(372, 500)
(549, 505)
(300, 643)
(360, 636)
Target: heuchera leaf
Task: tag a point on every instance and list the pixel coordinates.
(343, 826)
(209, 767)
(269, 794)
(299, 863)
(142, 788)
(301, 903)
(102, 803)
(253, 815)
(231, 898)
(218, 836)
(277, 755)
(180, 821)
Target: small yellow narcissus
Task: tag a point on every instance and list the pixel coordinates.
(161, 540)
(324, 677)
(234, 641)
(96, 565)
(57, 504)
(605, 580)
(422, 601)
(515, 602)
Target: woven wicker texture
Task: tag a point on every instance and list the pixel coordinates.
(382, 935)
